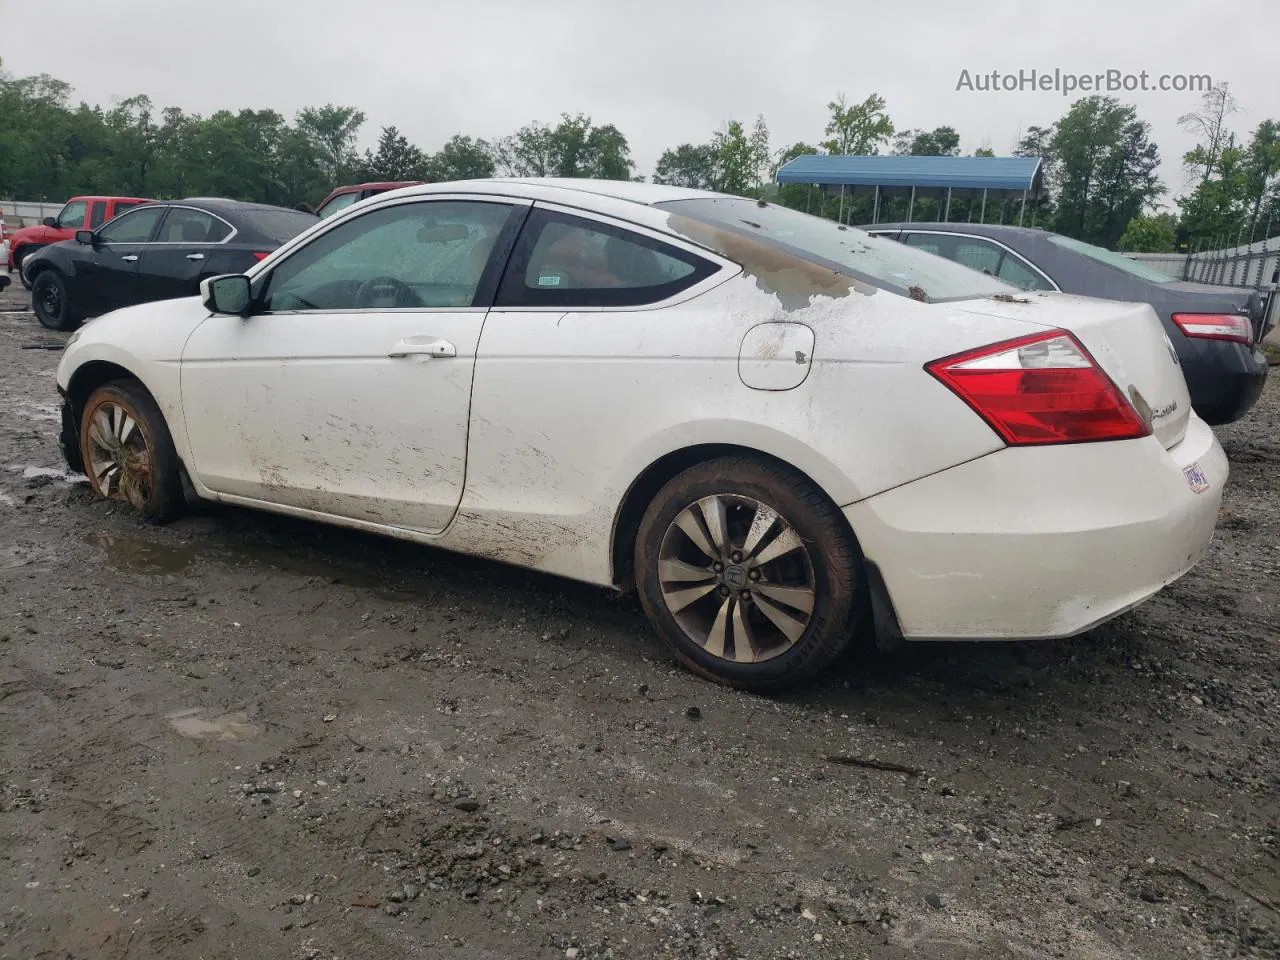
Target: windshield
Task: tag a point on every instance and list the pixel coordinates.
(1117, 260)
(280, 225)
(879, 261)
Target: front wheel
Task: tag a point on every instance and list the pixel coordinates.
(749, 573)
(50, 301)
(128, 452)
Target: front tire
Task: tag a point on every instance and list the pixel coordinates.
(128, 452)
(50, 301)
(749, 573)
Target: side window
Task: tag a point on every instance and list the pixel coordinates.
(72, 215)
(566, 261)
(97, 213)
(1014, 271)
(133, 227)
(185, 225)
(340, 202)
(412, 255)
(123, 205)
(974, 254)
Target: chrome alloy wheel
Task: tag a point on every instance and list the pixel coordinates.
(737, 578)
(117, 455)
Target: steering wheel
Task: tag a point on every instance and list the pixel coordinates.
(383, 288)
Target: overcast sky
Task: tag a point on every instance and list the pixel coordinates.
(664, 72)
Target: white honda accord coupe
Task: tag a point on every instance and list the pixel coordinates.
(786, 435)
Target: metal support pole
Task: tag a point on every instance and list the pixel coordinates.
(840, 218)
(1022, 209)
(808, 195)
(875, 210)
(982, 217)
(946, 216)
(912, 205)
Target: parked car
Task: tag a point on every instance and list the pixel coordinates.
(343, 197)
(774, 427)
(76, 214)
(1216, 331)
(157, 251)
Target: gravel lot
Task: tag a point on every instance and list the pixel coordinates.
(242, 736)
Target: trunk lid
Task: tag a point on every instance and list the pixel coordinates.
(1126, 339)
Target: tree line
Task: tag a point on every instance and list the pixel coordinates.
(1099, 161)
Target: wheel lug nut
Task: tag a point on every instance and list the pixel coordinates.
(754, 574)
(746, 596)
(737, 556)
(724, 591)
(718, 567)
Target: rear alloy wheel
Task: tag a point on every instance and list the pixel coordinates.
(749, 573)
(127, 451)
(50, 301)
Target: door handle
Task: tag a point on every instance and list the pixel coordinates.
(195, 256)
(416, 346)
(130, 258)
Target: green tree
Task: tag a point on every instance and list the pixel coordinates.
(1105, 165)
(736, 160)
(396, 158)
(572, 148)
(939, 142)
(859, 128)
(1150, 234)
(461, 158)
(1209, 124)
(332, 131)
(1262, 161)
(688, 165)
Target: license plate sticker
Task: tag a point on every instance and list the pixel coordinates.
(1196, 479)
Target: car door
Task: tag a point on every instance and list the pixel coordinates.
(347, 390)
(172, 264)
(591, 311)
(105, 272)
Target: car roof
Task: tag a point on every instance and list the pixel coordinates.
(623, 199)
(982, 229)
(225, 205)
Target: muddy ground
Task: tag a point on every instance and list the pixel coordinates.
(241, 736)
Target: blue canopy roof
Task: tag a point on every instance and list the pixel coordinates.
(959, 173)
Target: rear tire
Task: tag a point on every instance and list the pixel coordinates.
(128, 452)
(749, 573)
(17, 266)
(51, 303)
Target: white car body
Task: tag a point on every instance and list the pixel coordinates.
(523, 444)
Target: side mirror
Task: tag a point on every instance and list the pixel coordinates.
(50, 221)
(228, 294)
(84, 236)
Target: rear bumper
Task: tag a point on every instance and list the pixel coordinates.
(1042, 542)
(1224, 379)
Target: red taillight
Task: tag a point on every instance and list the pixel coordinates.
(1040, 389)
(259, 255)
(1215, 326)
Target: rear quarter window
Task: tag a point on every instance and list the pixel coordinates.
(280, 225)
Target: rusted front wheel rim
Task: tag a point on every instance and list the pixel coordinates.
(118, 455)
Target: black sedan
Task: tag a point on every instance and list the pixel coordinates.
(157, 251)
(1216, 331)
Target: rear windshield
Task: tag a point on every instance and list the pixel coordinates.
(1117, 260)
(879, 261)
(280, 225)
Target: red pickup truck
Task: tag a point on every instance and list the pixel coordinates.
(79, 213)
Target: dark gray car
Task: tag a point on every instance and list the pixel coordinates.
(1216, 331)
